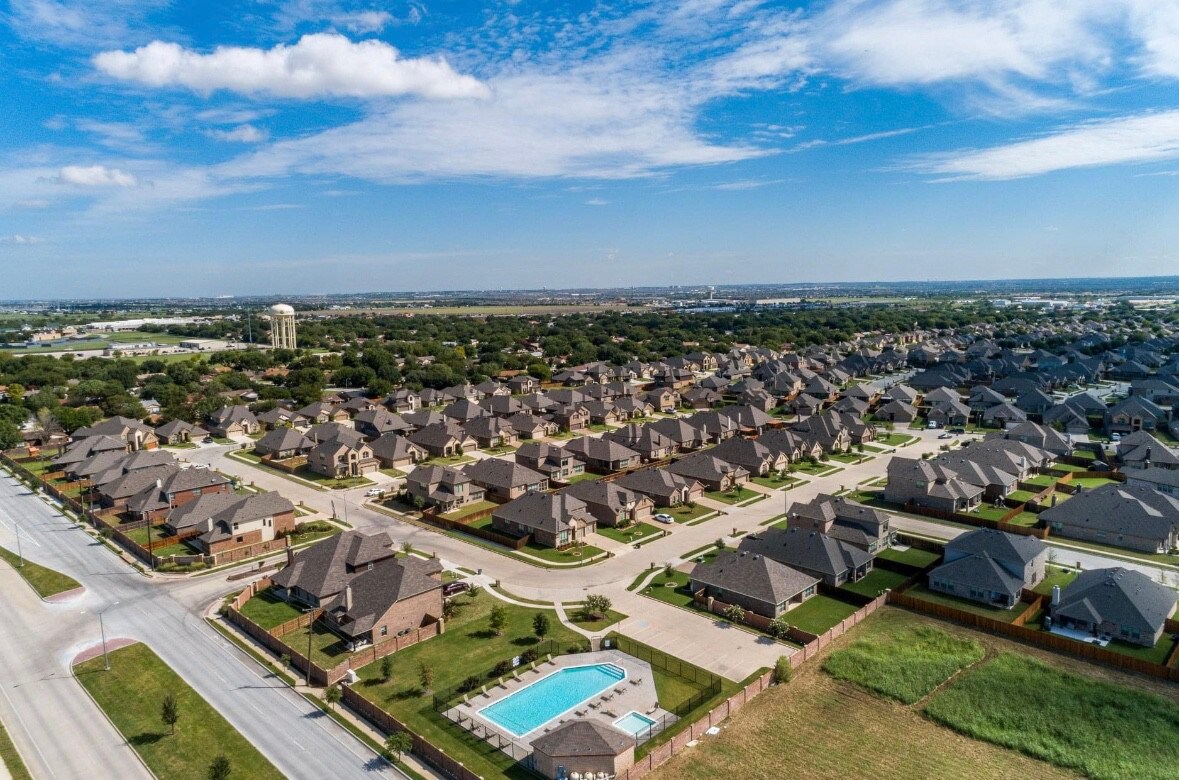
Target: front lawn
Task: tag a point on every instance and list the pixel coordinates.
(467, 648)
(777, 483)
(1104, 730)
(818, 614)
(568, 555)
(904, 665)
(894, 439)
(731, 497)
(851, 457)
(820, 468)
(45, 581)
(131, 694)
(684, 513)
(876, 581)
(451, 460)
(268, 610)
(632, 534)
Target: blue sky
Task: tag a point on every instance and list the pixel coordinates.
(150, 147)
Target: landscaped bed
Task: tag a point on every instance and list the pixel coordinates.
(904, 664)
(131, 695)
(1107, 731)
(45, 581)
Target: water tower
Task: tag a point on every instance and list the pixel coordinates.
(282, 326)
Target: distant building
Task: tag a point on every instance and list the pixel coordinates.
(282, 326)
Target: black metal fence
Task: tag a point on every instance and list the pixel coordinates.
(710, 684)
(444, 698)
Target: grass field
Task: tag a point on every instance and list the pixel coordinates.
(818, 614)
(904, 665)
(131, 694)
(820, 728)
(876, 581)
(45, 581)
(10, 759)
(1107, 731)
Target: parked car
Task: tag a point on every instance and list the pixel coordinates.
(374, 493)
(663, 517)
(207, 440)
(454, 588)
(945, 435)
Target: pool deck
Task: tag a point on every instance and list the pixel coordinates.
(636, 693)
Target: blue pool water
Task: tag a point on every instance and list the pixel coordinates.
(530, 708)
(633, 723)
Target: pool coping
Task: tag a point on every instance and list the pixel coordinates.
(555, 672)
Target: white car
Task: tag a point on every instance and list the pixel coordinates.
(664, 518)
(374, 493)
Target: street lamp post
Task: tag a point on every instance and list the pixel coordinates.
(106, 659)
(19, 550)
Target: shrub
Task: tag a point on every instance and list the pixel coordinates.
(469, 684)
(529, 655)
(783, 670)
(501, 668)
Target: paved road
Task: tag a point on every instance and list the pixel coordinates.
(58, 729)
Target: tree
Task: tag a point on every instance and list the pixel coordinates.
(396, 744)
(387, 668)
(9, 435)
(450, 609)
(425, 677)
(220, 768)
(735, 613)
(497, 619)
(597, 605)
(170, 712)
(783, 670)
(540, 625)
(778, 628)
(332, 696)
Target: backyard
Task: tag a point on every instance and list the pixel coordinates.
(910, 555)
(920, 591)
(268, 610)
(875, 582)
(131, 694)
(819, 613)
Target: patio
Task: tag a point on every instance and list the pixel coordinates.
(1080, 636)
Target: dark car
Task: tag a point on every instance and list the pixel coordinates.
(455, 588)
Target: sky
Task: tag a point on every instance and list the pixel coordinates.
(155, 148)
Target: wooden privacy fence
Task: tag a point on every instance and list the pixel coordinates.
(981, 522)
(513, 542)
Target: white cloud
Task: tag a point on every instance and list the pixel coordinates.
(362, 22)
(20, 238)
(857, 139)
(33, 203)
(597, 202)
(1126, 140)
(242, 134)
(116, 135)
(86, 24)
(320, 65)
(96, 176)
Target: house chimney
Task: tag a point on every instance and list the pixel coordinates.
(1055, 595)
(348, 598)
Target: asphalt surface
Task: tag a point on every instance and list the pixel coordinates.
(56, 727)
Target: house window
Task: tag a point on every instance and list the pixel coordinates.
(384, 631)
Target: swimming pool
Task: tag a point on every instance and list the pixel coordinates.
(633, 723)
(535, 705)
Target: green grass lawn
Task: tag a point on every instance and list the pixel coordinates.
(893, 439)
(342, 483)
(851, 457)
(904, 664)
(11, 759)
(268, 610)
(468, 647)
(45, 581)
(775, 483)
(822, 467)
(1155, 655)
(453, 460)
(568, 555)
(470, 509)
(500, 450)
(672, 590)
(327, 649)
(1105, 730)
(1022, 496)
(1026, 519)
(684, 513)
(584, 476)
(920, 591)
(633, 533)
(1043, 480)
(1054, 575)
(988, 512)
(581, 620)
(1092, 482)
(393, 473)
(911, 556)
(818, 614)
(876, 581)
(131, 694)
(729, 497)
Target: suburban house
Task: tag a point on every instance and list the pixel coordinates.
(1135, 413)
(602, 455)
(929, 484)
(685, 436)
(82, 450)
(846, 521)
(492, 432)
(318, 572)
(280, 417)
(442, 487)
(529, 426)
(1162, 480)
(552, 519)
(386, 601)
(831, 560)
(1122, 515)
(164, 488)
(1119, 603)
(1039, 436)
(179, 432)
(662, 486)
(135, 434)
(755, 457)
(505, 480)
(571, 417)
(557, 463)
(663, 399)
(216, 522)
(825, 429)
(949, 413)
(342, 456)
(444, 440)
(373, 423)
(233, 421)
(897, 411)
(612, 504)
(990, 567)
(394, 451)
(753, 582)
(712, 472)
(1142, 450)
(403, 400)
(282, 443)
(645, 440)
(322, 412)
(995, 482)
(588, 748)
